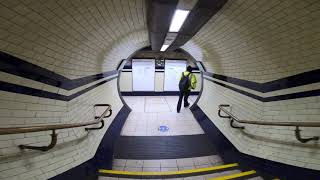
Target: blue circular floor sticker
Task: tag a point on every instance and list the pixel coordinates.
(163, 128)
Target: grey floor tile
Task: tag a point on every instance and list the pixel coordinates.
(185, 168)
(118, 168)
(152, 163)
(119, 162)
(215, 159)
(134, 163)
(166, 169)
(198, 161)
(185, 162)
(203, 166)
(195, 178)
(169, 163)
(134, 169)
(151, 169)
(107, 178)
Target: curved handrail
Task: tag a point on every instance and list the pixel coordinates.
(295, 124)
(28, 129)
(54, 127)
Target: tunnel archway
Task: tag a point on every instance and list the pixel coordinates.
(189, 58)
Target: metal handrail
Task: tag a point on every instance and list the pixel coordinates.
(54, 127)
(295, 124)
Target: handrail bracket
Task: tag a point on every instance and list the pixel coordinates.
(234, 126)
(304, 140)
(95, 128)
(54, 138)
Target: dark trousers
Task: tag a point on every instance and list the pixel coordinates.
(181, 95)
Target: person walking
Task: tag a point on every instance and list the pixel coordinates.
(187, 82)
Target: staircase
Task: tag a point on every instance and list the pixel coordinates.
(213, 171)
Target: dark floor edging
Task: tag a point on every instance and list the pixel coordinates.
(230, 154)
(104, 155)
(153, 93)
(163, 147)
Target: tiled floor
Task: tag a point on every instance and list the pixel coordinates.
(167, 164)
(151, 112)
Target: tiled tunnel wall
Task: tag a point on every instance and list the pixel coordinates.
(64, 47)
(256, 41)
(73, 38)
(262, 43)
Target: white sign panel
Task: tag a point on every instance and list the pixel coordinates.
(143, 74)
(172, 73)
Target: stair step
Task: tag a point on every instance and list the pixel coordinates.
(234, 176)
(168, 174)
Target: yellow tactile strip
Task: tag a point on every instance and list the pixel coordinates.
(116, 173)
(233, 176)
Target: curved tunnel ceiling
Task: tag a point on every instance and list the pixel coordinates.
(68, 36)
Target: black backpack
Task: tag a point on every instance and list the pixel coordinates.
(184, 82)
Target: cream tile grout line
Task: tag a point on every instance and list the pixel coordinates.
(165, 98)
(144, 104)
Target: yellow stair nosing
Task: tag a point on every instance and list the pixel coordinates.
(232, 176)
(189, 171)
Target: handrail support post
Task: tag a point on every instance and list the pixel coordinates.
(304, 140)
(54, 138)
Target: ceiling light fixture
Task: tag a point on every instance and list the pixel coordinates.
(164, 47)
(178, 19)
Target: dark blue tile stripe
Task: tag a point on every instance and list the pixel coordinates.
(283, 83)
(14, 88)
(16, 66)
(272, 98)
(72, 84)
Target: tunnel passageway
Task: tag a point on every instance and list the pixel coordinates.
(70, 107)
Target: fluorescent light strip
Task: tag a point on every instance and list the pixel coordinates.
(178, 19)
(164, 47)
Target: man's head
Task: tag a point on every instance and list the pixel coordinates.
(189, 68)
